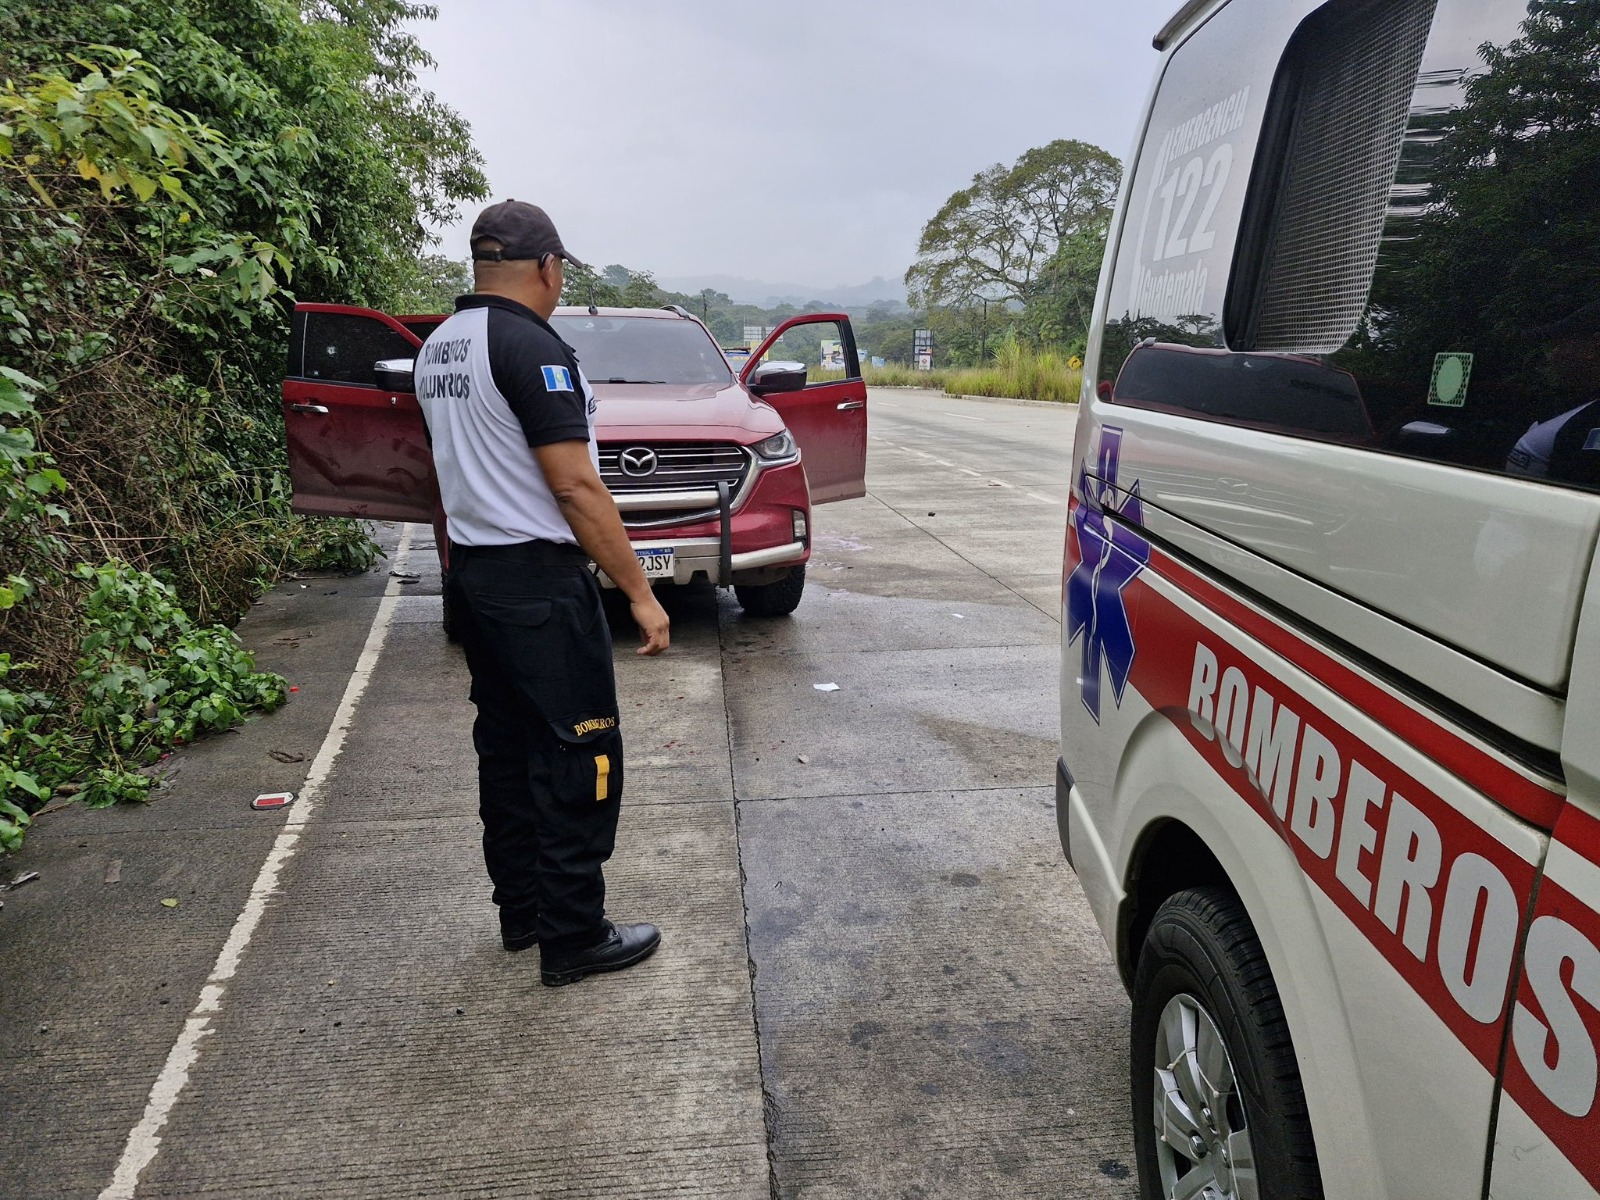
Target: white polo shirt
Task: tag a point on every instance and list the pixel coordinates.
(495, 381)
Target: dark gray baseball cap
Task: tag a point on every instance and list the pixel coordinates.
(523, 231)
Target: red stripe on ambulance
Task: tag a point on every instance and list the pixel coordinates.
(1534, 803)
(1552, 1069)
(1432, 891)
(1440, 898)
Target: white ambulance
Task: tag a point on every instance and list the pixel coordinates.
(1330, 765)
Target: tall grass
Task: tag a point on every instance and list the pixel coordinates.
(1017, 372)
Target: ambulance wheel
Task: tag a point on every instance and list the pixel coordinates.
(773, 599)
(1218, 1106)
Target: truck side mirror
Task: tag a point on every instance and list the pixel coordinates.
(394, 374)
(773, 377)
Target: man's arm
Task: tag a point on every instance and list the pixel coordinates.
(592, 514)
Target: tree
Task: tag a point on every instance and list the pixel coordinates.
(433, 285)
(1018, 235)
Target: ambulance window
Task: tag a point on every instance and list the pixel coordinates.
(341, 347)
(1189, 185)
(1456, 286)
(1322, 182)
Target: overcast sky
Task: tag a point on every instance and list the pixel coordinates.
(788, 142)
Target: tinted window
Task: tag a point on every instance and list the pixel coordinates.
(1257, 389)
(1424, 223)
(1481, 343)
(341, 347)
(1189, 184)
(644, 350)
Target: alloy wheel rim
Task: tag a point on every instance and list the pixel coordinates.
(1203, 1145)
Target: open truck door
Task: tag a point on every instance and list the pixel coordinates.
(827, 414)
(356, 449)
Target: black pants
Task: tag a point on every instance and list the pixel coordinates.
(549, 747)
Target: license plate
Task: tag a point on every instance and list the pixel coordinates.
(656, 564)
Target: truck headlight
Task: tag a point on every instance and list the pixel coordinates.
(777, 447)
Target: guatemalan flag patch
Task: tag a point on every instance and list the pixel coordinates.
(558, 379)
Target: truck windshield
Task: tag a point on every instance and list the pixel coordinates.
(644, 350)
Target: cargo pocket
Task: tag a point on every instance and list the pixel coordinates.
(590, 758)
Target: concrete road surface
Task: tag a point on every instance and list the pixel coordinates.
(879, 978)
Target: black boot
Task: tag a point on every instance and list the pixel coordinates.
(622, 946)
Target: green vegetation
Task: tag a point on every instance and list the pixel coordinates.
(1018, 371)
(168, 170)
(1017, 252)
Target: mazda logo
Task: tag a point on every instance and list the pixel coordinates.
(638, 462)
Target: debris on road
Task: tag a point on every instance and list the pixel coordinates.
(114, 871)
(826, 687)
(25, 877)
(802, 758)
(286, 756)
(169, 902)
(405, 576)
(958, 616)
(269, 800)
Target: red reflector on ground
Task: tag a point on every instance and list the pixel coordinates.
(273, 800)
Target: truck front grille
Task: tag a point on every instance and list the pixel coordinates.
(657, 483)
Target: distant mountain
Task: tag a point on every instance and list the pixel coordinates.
(768, 295)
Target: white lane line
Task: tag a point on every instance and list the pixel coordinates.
(1045, 499)
(974, 474)
(942, 462)
(964, 417)
(145, 1138)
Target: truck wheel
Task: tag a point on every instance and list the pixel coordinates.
(773, 599)
(1218, 1106)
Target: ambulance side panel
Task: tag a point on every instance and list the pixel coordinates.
(1362, 862)
(1342, 672)
(1547, 1138)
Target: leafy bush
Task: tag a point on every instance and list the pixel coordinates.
(147, 678)
(168, 170)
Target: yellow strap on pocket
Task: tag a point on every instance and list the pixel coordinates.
(602, 777)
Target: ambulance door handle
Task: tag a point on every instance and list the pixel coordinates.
(311, 408)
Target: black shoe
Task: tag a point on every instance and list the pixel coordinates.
(519, 939)
(622, 946)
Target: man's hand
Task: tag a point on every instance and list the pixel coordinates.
(652, 621)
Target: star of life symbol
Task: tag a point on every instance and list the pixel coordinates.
(1110, 556)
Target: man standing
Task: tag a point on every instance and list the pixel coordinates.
(511, 419)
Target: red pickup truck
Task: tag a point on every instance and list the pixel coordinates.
(715, 473)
